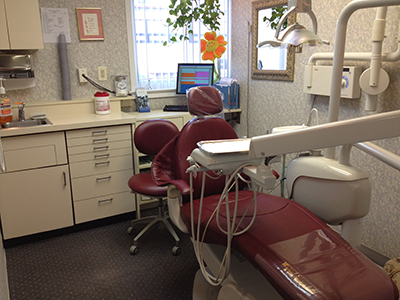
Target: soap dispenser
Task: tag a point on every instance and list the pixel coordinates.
(5, 105)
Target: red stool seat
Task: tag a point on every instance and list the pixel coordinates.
(143, 184)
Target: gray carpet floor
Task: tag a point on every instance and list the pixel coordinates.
(96, 264)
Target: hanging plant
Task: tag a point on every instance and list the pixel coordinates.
(185, 12)
(277, 14)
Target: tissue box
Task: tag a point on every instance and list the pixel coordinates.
(230, 94)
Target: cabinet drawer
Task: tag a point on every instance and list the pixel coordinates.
(100, 185)
(99, 148)
(102, 207)
(98, 131)
(100, 156)
(34, 151)
(93, 167)
(99, 140)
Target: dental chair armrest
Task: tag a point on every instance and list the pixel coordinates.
(181, 186)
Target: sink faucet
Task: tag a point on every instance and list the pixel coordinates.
(21, 112)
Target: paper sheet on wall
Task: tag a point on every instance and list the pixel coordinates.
(55, 21)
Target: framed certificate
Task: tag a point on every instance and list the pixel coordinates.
(90, 24)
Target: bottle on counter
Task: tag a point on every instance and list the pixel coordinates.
(102, 103)
(5, 105)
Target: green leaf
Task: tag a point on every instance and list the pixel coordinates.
(187, 11)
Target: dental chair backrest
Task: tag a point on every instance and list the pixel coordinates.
(171, 163)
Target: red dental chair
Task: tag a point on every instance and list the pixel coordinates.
(298, 255)
(150, 137)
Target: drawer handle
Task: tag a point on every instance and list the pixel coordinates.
(100, 140)
(100, 148)
(105, 200)
(102, 163)
(101, 155)
(99, 132)
(103, 178)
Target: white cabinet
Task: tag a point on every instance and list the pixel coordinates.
(35, 201)
(101, 165)
(59, 179)
(35, 190)
(20, 25)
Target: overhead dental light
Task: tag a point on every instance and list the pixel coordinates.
(296, 35)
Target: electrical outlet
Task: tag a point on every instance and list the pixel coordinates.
(102, 73)
(82, 71)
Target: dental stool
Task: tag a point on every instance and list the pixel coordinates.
(296, 255)
(150, 137)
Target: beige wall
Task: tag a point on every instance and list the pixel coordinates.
(112, 53)
(276, 103)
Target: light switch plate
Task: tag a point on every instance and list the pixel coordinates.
(102, 72)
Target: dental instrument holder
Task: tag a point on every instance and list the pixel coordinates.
(226, 161)
(142, 100)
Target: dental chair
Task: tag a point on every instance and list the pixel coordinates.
(286, 253)
(150, 137)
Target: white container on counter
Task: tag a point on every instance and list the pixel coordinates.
(121, 85)
(102, 103)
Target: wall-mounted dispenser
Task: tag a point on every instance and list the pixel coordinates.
(17, 70)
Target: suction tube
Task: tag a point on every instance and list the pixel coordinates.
(64, 65)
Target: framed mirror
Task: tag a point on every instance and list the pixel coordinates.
(269, 63)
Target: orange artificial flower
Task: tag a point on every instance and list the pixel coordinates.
(213, 46)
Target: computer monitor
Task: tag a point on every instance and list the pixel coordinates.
(191, 75)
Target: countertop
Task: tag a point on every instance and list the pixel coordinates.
(80, 121)
(72, 122)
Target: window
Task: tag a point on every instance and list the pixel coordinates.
(153, 65)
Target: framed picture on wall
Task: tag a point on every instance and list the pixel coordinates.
(90, 24)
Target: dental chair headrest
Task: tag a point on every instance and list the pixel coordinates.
(204, 100)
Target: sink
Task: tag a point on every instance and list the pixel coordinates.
(26, 123)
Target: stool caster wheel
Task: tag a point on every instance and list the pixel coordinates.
(134, 250)
(176, 250)
(130, 230)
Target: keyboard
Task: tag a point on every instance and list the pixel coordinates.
(175, 108)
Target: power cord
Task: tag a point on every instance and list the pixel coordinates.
(96, 85)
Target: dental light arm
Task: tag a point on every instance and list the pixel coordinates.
(297, 6)
(295, 35)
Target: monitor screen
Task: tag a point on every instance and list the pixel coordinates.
(191, 75)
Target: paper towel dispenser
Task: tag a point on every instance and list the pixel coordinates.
(17, 70)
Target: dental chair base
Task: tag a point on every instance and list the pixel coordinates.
(297, 253)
